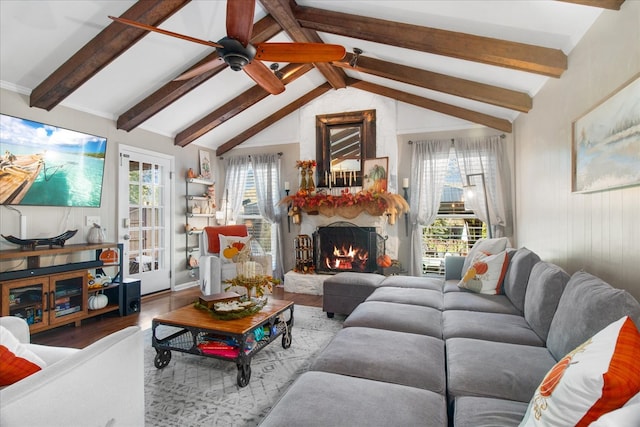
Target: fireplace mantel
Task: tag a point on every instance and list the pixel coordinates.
(346, 205)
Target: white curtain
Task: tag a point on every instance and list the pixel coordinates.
(266, 169)
(488, 156)
(234, 183)
(429, 163)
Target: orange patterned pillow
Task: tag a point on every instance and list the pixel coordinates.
(597, 377)
(16, 361)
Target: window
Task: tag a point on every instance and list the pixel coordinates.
(257, 226)
(455, 229)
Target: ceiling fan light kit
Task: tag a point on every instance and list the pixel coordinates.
(235, 54)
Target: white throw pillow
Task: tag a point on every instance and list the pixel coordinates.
(596, 378)
(488, 246)
(628, 415)
(486, 274)
(232, 246)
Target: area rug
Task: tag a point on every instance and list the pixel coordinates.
(202, 391)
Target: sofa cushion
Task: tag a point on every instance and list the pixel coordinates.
(411, 360)
(546, 284)
(597, 377)
(324, 399)
(486, 273)
(424, 297)
(587, 305)
(495, 369)
(490, 246)
(16, 360)
(489, 327)
(467, 300)
(414, 319)
(487, 412)
(431, 283)
(517, 277)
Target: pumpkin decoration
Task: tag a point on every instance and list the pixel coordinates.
(384, 261)
(98, 301)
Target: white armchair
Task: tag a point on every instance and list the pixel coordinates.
(213, 270)
(101, 384)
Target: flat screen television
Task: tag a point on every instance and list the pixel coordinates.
(44, 165)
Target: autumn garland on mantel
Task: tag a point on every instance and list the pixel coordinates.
(347, 204)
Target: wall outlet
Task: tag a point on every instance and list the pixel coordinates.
(92, 220)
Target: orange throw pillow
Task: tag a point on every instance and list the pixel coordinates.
(16, 361)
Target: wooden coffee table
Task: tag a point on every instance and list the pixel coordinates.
(198, 327)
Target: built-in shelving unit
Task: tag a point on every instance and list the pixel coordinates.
(196, 221)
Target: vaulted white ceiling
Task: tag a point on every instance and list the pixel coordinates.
(37, 37)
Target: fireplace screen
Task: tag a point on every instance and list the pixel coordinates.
(346, 247)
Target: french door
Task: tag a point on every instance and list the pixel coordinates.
(144, 208)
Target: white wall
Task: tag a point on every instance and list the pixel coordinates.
(598, 232)
(50, 221)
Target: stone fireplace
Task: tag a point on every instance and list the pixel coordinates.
(343, 246)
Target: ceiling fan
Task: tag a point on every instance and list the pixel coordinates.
(237, 51)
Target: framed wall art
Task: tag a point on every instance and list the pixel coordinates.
(205, 165)
(375, 174)
(606, 142)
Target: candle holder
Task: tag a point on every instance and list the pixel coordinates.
(288, 209)
(406, 214)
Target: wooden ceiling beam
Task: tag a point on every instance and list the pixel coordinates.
(503, 53)
(263, 30)
(281, 11)
(440, 107)
(603, 4)
(494, 95)
(278, 115)
(110, 43)
(237, 105)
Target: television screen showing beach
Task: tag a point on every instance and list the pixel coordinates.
(44, 165)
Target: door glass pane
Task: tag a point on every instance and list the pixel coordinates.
(147, 173)
(147, 195)
(134, 171)
(134, 194)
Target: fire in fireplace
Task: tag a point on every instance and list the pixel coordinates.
(344, 246)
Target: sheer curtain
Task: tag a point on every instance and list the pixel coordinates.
(266, 169)
(429, 163)
(488, 155)
(234, 183)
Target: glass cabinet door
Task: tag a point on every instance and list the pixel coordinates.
(68, 297)
(27, 299)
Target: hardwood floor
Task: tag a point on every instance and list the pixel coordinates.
(95, 328)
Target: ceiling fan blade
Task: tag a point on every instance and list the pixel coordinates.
(240, 20)
(207, 66)
(264, 77)
(165, 32)
(299, 52)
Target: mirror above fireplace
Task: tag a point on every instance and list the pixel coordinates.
(343, 140)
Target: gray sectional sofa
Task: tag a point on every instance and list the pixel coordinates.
(422, 351)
